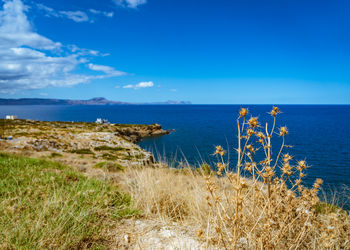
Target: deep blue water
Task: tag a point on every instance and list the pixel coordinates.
(320, 134)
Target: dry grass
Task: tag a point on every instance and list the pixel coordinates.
(46, 205)
(270, 210)
(167, 194)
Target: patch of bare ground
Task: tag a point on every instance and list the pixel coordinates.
(153, 234)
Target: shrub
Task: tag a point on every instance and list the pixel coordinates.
(82, 151)
(205, 169)
(107, 148)
(272, 209)
(110, 166)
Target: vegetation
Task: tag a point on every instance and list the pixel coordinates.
(55, 154)
(109, 157)
(205, 169)
(110, 166)
(270, 210)
(108, 148)
(48, 205)
(82, 151)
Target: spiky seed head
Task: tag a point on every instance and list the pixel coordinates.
(302, 164)
(286, 158)
(319, 181)
(261, 135)
(283, 131)
(275, 111)
(243, 112)
(250, 148)
(250, 132)
(219, 151)
(253, 122)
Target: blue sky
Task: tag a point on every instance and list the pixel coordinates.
(214, 52)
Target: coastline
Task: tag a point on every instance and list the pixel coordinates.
(173, 206)
(83, 145)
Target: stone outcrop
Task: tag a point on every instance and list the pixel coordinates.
(91, 142)
(138, 132)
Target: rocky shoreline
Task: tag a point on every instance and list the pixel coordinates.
(80, 144)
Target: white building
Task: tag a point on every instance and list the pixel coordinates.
(101, 121)
(11, 117)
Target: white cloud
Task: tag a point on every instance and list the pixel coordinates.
(130, 3)
(106, 69)
(31, 61)
(139, 85)
(76, 16)
(15, 30)
(104, 13)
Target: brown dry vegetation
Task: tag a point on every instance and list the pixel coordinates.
(270, 210)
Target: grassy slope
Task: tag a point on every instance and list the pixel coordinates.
(48, 205)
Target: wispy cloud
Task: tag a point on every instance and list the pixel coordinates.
(129, 3)
(104, 13)
(140, 85)
(106, 69)
(29, 60)
(77, 15)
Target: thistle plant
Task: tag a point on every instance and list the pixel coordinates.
(272, 209)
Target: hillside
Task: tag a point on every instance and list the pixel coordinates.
(93, 101)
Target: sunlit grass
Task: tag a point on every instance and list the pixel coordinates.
(48, 205)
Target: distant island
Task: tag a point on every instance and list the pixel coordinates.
(93, 101)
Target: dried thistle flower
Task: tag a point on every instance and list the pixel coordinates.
(283, 131)
(286, 158)
(253, 122)
(219, 151)
(250, 148)
(275, 111)
(286, 169)
(250, 132)
(220, 167)
(319, 181)
(302, 164)
(248, 166)
(261, 135)
(243, 112)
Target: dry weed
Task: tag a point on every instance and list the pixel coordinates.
(270, 210)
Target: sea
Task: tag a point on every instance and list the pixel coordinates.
(319, 134)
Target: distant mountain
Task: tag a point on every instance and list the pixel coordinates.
(171, 102)
(93, 101)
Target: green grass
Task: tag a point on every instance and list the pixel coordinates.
(82, 151)
(109, 157)
(110, 166)
(48, 205)
(107, 148)
(205, 169)
(133, 157)
(326, 208)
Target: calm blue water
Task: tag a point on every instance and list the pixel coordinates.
(320, 134)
